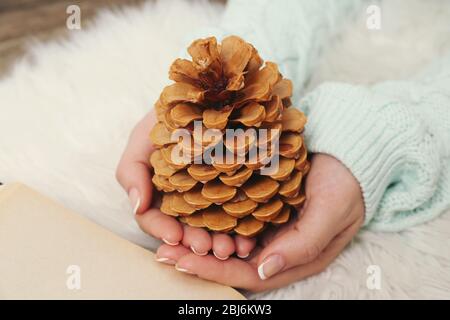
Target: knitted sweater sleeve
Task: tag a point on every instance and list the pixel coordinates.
(395, 139)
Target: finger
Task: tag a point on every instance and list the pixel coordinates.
(171, 254)
(274, 232)
(233, 272)
(133, 170)
(301, 244)
(197, 239)
(222, 245)
(161, 226)
(243, 246)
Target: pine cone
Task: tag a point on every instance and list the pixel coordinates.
(227, 87)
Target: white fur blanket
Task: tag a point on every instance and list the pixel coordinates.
(67, 109)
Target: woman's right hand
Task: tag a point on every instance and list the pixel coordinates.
(133, 173)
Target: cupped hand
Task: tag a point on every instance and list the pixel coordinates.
(134, 175)
(332, 215)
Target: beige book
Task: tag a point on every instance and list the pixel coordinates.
(48, 252)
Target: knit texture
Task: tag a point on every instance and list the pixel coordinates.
(390, 140)
(394, 137)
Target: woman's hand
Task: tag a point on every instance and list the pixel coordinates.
(332, 215)
(134, 175)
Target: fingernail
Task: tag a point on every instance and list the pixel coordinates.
(166, 261)
(135, 199)
(270, 266)
(171, 243)
(198, 253)
(220, 258)
(243, 256)
(182, 269)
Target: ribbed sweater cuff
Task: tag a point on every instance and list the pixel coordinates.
(351, 124)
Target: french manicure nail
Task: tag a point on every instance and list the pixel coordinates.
(198, 253)
(182, 270)
(220, 258)
(243, 256)
(135, 199)
(166, 261)
(171, 243)
(270, 266)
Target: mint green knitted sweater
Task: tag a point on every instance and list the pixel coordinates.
(394, 136)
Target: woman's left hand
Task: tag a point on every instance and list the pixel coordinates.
(332, 215)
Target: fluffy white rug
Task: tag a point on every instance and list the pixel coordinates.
(67, 109)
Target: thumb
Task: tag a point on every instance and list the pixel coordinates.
(301, 244)
(136, 180)
(133, 171)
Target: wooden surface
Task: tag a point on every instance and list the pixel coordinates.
(23, 20)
